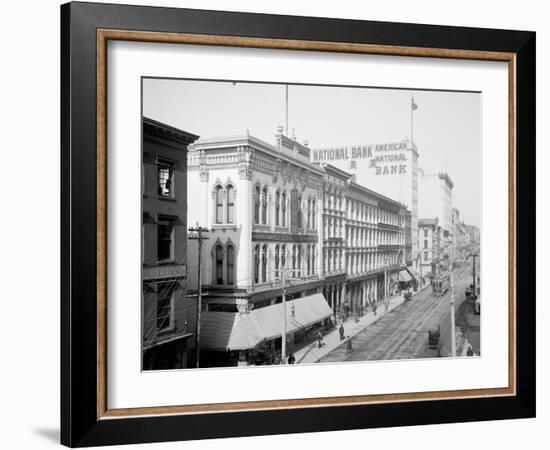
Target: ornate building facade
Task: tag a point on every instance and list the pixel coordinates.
(364, 242)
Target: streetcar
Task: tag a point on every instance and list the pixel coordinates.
(441, 284)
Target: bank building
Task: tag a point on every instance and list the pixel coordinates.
(278, 222)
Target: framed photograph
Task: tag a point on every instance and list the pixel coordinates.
(277, 224)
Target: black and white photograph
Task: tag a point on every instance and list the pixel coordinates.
(293, 224)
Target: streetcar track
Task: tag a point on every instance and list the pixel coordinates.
(399, 331)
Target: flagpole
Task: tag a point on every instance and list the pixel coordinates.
(286, 110)
(412, 109)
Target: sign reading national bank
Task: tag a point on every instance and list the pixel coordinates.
(386, 159)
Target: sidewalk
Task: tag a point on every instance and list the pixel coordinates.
(311, 353)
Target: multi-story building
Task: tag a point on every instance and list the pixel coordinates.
(390, 169)
(436, 200)
(168, 317)
(364, 242)
(262, 205)
(431, 251)
(274, 215)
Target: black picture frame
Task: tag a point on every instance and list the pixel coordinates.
(80, 425)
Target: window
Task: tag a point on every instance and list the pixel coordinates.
(425, 232)
(165, 239)
(312, 257)
(277, 261)
(425, 256)
(283, 257)
(425, 244)
(308, 260)
(283, 208)
(313, 224)
(299, 215)
(256, 264)
(264, 263)
(219, 264)
(219, 204)
(230, 204)
(299, 261)
(264, 205)
(165, 179)
(165, 310)
(257, 204)
(293, 261)
(277, 207)
(230, 265)
(308, 214)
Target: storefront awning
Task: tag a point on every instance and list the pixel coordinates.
(241, 331)
(404, 276)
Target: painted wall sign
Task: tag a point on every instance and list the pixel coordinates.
(385, 159)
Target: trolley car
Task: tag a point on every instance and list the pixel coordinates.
(441, 284)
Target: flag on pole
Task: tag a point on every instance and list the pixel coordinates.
(413, 104)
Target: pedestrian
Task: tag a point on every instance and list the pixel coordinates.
(320, 339)
(291, 359)
(341, 330)
(349, 347)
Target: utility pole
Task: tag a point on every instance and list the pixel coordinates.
(474, 295)
(283, 333)
(198, 235)
(453, 337)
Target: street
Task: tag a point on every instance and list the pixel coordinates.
(403, 332)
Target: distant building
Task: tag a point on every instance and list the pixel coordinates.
(430, 238)
(474, 235)
(168, 319)
(436, 201)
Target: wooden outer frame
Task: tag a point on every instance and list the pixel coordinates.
(99, 23)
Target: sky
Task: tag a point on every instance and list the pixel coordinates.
(447, 125)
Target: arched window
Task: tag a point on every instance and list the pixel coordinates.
(425, 256)
(299, 261)
(313, 221)
(308, 214)
(277, 207)
(283, 256)
(257, 204)
(277, 262)
(299, 212)
(230, 265)
(264, 263)
(264, 205)
(219, 264)
(294, 261)
(283, 209)
(425, 244)
(230, 203)
(425, 232)
(312, 257)
(308, 265)
(219, 204)
(256, 264)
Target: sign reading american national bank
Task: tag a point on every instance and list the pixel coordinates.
(386, 159)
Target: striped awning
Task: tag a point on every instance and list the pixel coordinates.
(241, 331)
